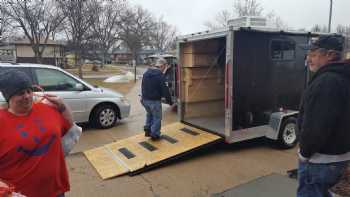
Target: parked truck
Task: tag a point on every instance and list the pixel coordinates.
(244, 81)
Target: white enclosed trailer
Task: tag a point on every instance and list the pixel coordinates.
(242, 82)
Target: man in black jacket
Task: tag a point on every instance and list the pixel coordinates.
(154, 89)
(324, 119)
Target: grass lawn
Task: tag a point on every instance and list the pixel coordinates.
(123, 88)
(87, 70)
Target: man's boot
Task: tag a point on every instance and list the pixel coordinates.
(147, 131)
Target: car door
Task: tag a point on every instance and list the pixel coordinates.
(59, 83)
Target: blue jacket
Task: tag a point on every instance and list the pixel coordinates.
(154, 87)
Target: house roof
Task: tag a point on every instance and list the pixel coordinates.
(120, 51)
(25, 41)
(126, 51)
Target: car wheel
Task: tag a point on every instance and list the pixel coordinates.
(287, 137)
(104, 117)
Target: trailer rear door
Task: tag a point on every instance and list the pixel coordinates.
(268, 74)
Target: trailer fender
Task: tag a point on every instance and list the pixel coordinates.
(276, 120)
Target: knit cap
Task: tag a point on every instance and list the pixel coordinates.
(13, 81)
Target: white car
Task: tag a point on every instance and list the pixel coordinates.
(99, 106)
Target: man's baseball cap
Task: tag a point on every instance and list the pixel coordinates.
(160, 61)
(329, 42)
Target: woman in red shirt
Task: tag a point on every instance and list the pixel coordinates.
(31, 154)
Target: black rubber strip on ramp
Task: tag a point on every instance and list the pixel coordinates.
(169, 139)
(128, 154)
(148, 146)
(189, 131)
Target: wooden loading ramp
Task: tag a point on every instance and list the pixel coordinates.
(133, 154)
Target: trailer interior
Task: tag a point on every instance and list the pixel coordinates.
(268, 75)
(203, 83)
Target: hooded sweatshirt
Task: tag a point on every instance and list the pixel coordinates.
(324, 119)
(154, 87)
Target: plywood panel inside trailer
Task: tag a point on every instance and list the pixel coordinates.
(202, 81)
(194, 59)
(203, 90)
(204, 109)
(196, 81)
(208, 46)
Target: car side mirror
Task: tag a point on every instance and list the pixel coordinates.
(79, 87)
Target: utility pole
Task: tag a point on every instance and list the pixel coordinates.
(330, 16)
(0, 28)
(134, 65)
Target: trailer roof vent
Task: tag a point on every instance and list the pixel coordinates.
(248, 21)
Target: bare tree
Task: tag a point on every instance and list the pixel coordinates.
(163, 36)
(276, 20)
(4, 23)
(136, 28)
(344, 30)
(220, 20)
(247, 8)
(319, 28)
(240, 8)
(79, 18)
(105, 26)
(316, 28)
(37, 19)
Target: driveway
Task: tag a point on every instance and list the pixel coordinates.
(207, 171)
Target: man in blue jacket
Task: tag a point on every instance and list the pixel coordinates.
(324, 119)
(154, 89)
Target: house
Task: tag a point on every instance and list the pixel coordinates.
(121, 56)
(145, 53)
(7, 53)
(21, 51)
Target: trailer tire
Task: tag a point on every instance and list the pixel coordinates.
(287, 137)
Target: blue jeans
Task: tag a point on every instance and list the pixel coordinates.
(316, 179)
(153, 117)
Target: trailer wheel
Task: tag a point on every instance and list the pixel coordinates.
(287, 137)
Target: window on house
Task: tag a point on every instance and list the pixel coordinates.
(5, 52)
(282, 50)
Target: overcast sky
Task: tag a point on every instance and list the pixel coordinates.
(190, 15)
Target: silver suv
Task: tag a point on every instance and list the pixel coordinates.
(99, 106)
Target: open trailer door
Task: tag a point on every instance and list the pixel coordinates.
(269, 76)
